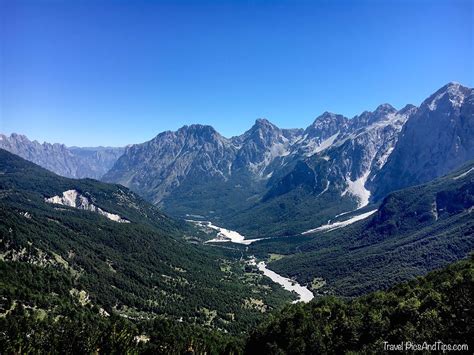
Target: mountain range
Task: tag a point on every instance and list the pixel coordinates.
(88, 265)
(272, 181)
(340, 209)
(73, 162)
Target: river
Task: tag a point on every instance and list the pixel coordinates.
(227, 235)
(305, 295)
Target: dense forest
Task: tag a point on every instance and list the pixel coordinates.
(429, 309)
(150, 266)
(40, 315)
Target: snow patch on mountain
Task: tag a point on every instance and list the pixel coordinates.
(463, 174)
(383, 159)
(72, 198)
(314, 146)
(325, 189)
(357, 188)
(336, 225)
(224, 235)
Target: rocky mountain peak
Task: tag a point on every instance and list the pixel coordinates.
(436, 139)
(263, 132)
(451, 95)
(265, 126)
(192, 135)
(384, 109)
(263, 122)
(326, 125)
(366, 118)
(408, 109)
(197, 129)
(19, 137)
(327, 117)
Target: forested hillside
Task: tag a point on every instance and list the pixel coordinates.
(151, 266)
(434, 308)
(414, 231)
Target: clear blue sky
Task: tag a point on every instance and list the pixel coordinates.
(116, 72)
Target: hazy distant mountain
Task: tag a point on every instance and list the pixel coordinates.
(71, 162)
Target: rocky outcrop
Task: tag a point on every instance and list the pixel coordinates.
(73, 198)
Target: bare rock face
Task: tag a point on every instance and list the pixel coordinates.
(436, 140)
(65, 161)
(322, 133)
(341, 153)
(156, 167)
(347, 154)
(260, 146)
(73, 198)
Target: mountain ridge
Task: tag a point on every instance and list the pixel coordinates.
(73, 162)
(333, 166)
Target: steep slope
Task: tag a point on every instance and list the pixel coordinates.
(155, 168)
(307, 191)
(322, 133)
(71, 162)
(413, 231)
(437, 139)
(261, 147)
(139, 269)
(197, 171)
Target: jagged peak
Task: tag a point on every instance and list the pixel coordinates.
(453, 84)
(262, 131)
(454, 88)
(197, 127)
(453, 92)
(197, 130)
(327, 116)
(264, 123)
(385, 108)
(368, 117)
(325, 125)
(21, 138)
(407, 109)
(17, 136)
